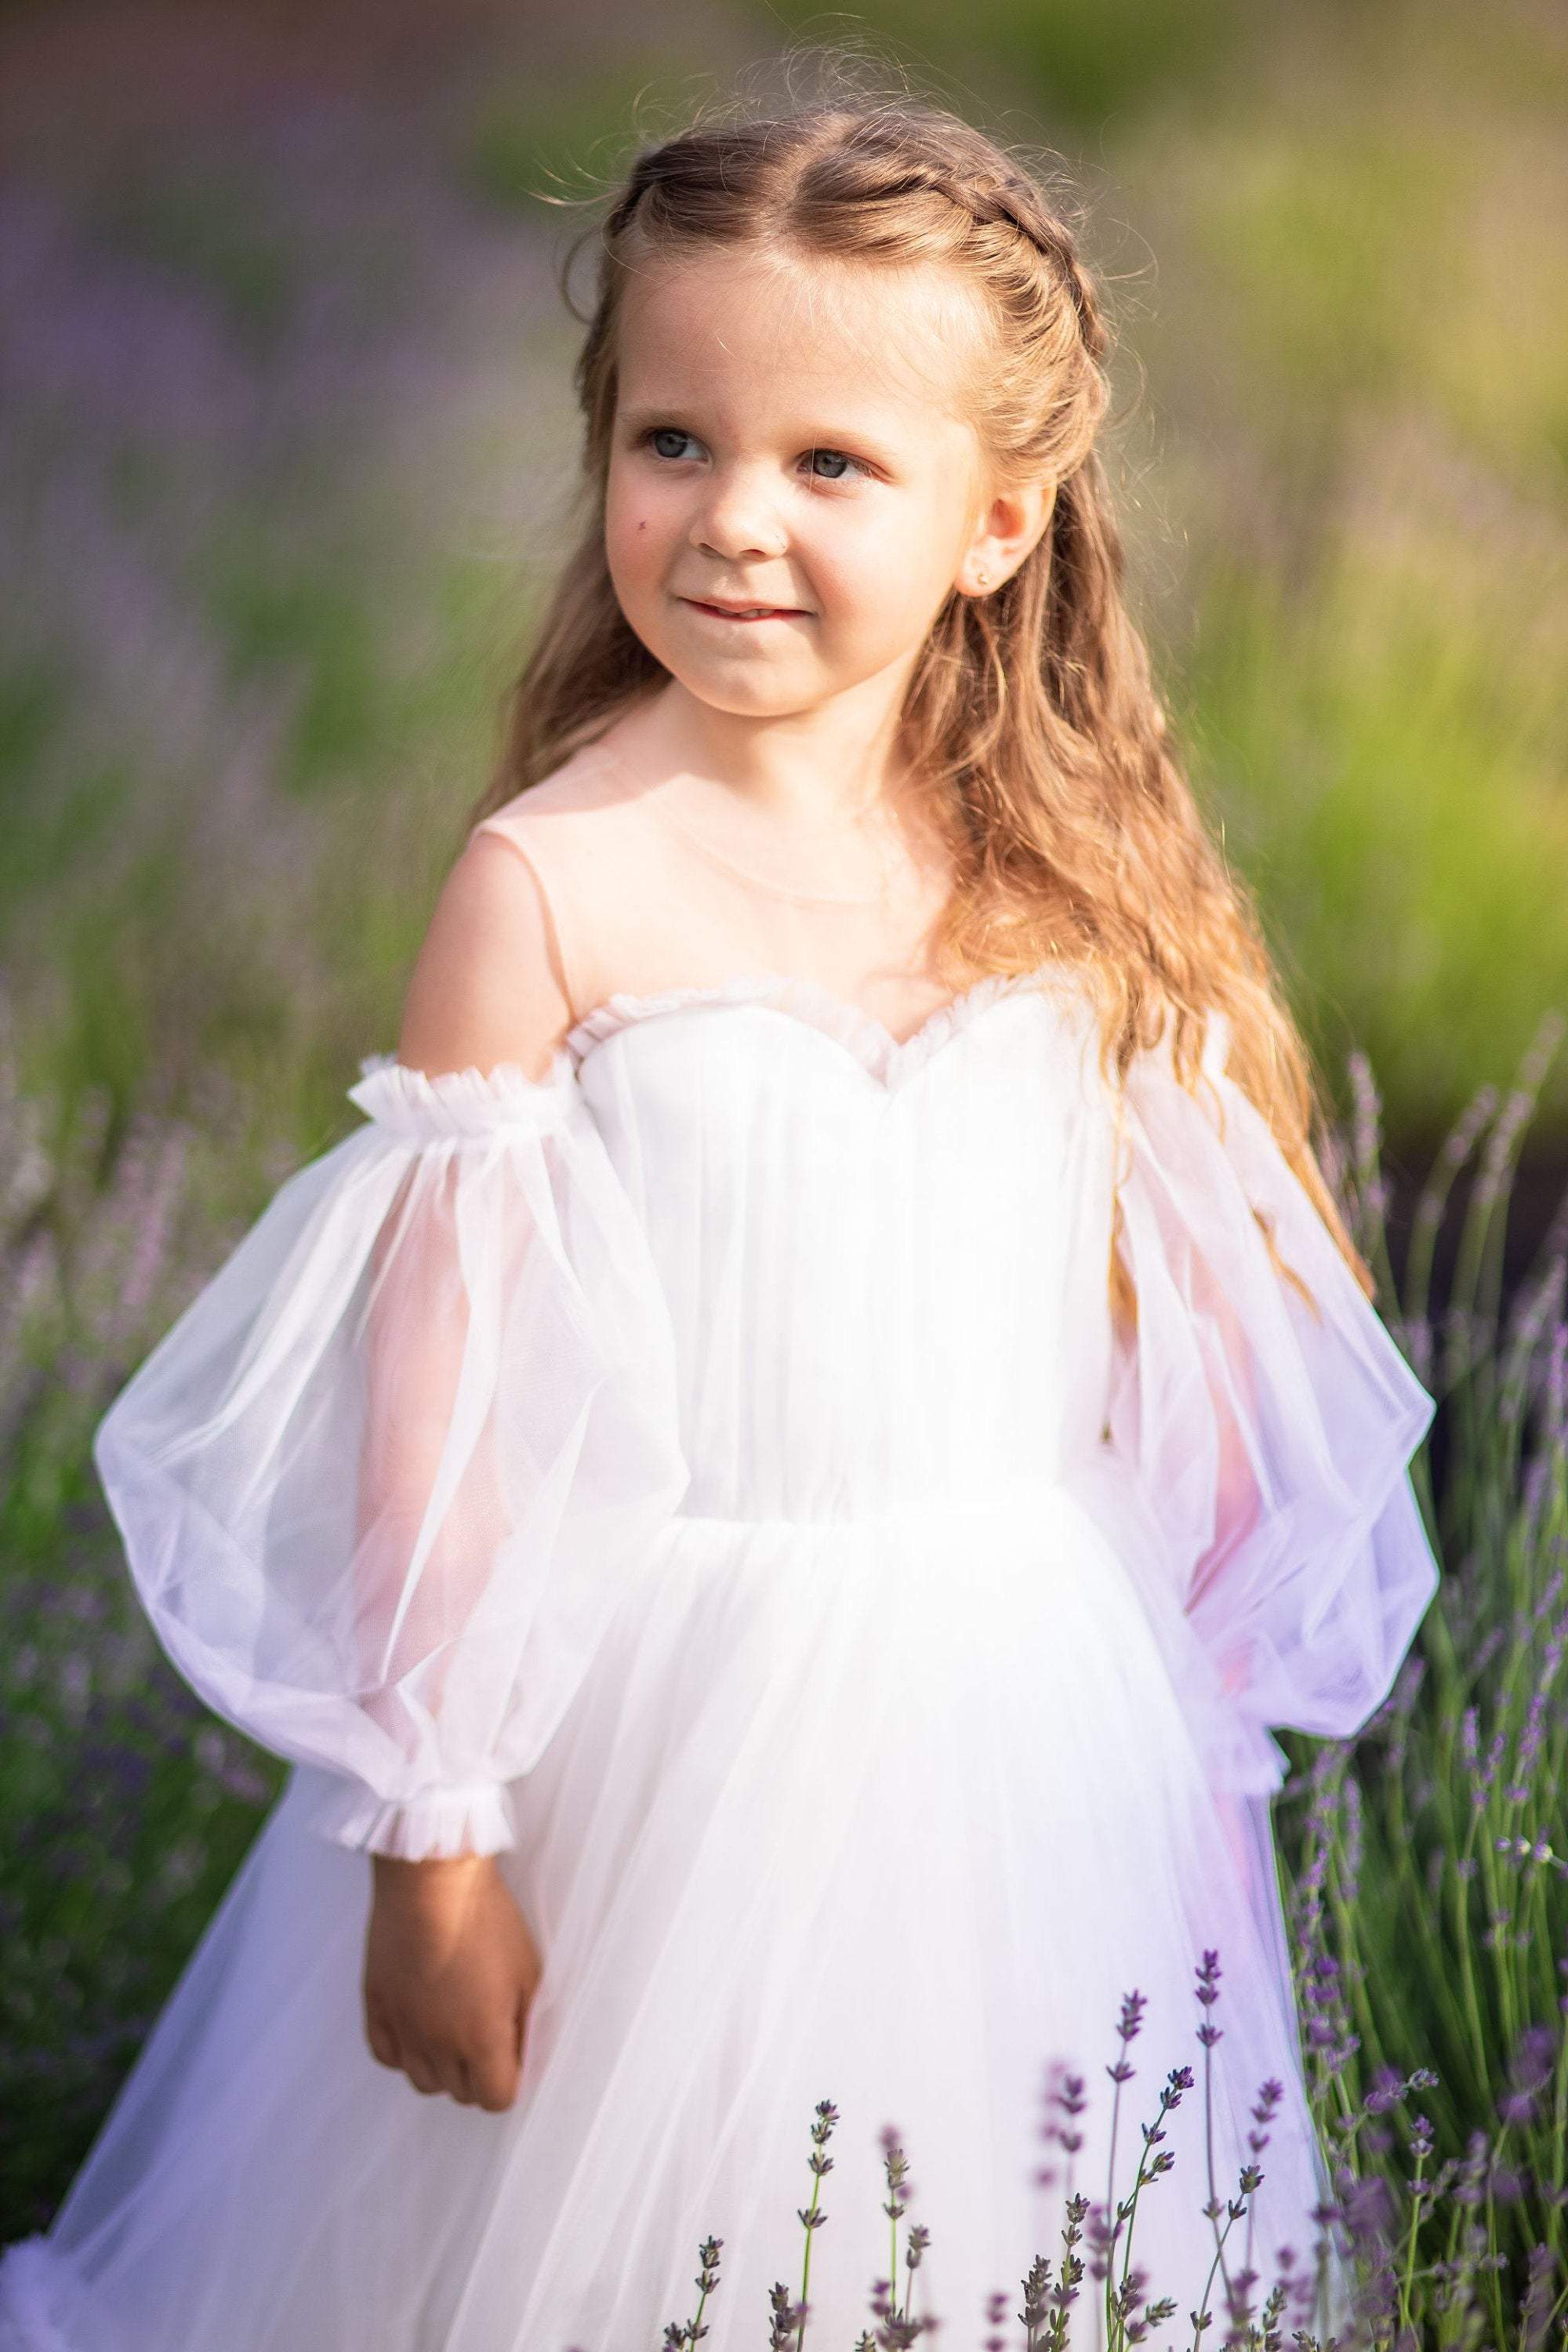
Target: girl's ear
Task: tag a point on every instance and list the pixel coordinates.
(1008, 531)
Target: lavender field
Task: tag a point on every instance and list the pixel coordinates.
(288, 454)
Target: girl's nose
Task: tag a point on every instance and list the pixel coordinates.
(738, 520)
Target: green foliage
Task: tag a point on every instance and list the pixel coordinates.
(559, 138)
(1380, 739)
(1082, 67)
(248, 698)
(200, 222)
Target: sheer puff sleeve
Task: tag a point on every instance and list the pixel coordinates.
(1269, 1439)
(382, 1482)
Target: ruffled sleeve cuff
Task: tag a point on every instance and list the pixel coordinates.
(456, 1105)
(454, 1818)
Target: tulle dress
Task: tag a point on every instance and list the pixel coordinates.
(707, 1476)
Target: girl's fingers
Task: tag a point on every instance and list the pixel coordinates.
(461, 2081)
(494, 2078)
(446, 2069)
(381, 2040)
(424, 2077)
(486, 2077)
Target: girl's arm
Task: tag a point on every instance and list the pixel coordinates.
(384, 1482)
(484, 991)
(450, 1964)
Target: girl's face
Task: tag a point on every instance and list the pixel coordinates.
(788, 435)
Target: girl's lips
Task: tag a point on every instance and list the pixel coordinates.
(776, 612)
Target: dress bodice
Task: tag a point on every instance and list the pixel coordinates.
(885, 1263)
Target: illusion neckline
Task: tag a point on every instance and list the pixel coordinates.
(658, 803)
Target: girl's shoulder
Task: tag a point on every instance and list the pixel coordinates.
(587, 804)
(603, 871)
(502, 974)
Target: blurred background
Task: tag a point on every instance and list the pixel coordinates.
(287, 444)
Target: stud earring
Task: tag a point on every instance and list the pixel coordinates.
(982, 580)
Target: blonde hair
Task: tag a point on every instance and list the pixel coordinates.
(1030, 719)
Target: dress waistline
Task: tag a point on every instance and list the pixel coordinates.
(993, 1494)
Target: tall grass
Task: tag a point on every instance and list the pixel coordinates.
(287, 441)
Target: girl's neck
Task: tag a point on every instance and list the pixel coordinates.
(812, 787)
(886, 841)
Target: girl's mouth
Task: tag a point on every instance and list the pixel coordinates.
(749, 614)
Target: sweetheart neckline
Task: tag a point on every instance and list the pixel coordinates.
(466, 1101)
(885, 1058)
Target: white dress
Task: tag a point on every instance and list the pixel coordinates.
(860, 1663)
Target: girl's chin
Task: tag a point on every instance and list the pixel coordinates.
(750, 690)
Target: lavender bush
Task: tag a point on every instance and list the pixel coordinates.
(286, 401)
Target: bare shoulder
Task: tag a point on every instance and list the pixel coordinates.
(584, 798)
(496, 977)
(486, 985)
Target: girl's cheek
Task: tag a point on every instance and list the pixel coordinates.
(862, 581)
(871, 556)
(631, 518)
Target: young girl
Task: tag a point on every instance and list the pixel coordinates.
(778, 1483)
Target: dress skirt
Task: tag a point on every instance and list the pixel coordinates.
(893, 1811)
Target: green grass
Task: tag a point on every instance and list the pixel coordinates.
(249, 697)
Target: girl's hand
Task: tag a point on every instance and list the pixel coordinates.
(450, 1971)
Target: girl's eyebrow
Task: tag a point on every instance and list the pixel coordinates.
(641, 418)
(635, 420)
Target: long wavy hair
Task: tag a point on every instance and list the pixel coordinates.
(1031, 721)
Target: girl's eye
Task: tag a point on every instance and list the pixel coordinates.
(658, 435)
(840, 458)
